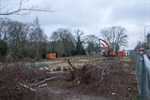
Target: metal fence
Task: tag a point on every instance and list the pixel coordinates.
(142, 68)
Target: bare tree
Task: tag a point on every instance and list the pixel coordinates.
(37, 37)
(17, 34)
(18, 7)
(13, 37)
(4, 36)
(115, 36)
(140, 45)
(79, 49)
(92, 44)
(91, 38)
(4, 23)
(62, 42)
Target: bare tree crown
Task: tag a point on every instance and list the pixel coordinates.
(115, 36)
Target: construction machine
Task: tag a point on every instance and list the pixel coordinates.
(107, 49)
(104, 52)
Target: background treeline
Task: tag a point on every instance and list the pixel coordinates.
(20, 40)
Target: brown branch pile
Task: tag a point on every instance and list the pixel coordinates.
(15, 81)
(110, 79)
(88, 74)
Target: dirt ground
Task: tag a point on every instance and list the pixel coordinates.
(95, 78)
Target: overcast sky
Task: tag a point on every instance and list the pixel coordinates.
(92, 15)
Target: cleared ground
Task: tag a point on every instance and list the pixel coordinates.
(93, 78)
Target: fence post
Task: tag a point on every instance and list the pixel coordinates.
(146, 92)
(142, 79)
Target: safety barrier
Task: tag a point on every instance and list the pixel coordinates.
(142, 68)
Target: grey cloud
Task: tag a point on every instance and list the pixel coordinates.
(137, 12)
(93, 15)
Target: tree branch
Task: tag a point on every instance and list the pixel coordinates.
(71, 65)
(25, 9)
(17, 11)
(48, 79)
(27, 87)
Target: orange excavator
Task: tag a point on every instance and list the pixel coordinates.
(108, 52)
(104, 53)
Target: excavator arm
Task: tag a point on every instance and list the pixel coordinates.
(105, 52)
(109, 51)
(106, 44)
